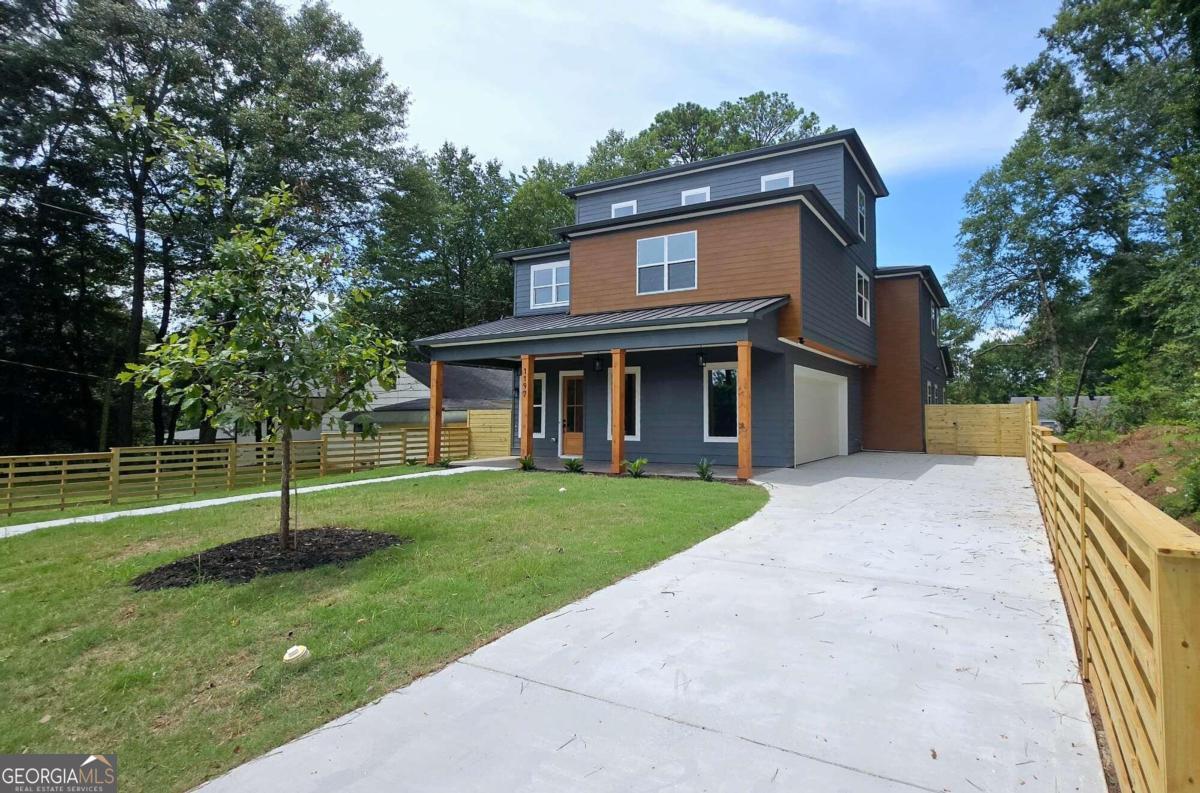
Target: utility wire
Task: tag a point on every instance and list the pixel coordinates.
(59, 371)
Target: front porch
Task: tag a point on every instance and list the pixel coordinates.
(555, 464)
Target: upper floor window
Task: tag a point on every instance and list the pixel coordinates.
(624, 208)
(697, 195)
(550, 285)
(933, 320)
(862, 213)
(862, 296)
(666, 264)
(775, 181)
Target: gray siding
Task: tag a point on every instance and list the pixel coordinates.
(827, 289)
(822, 167)
(521, 295)
(932, 367)
(862, 252)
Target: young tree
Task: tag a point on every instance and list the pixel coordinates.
(276, 335)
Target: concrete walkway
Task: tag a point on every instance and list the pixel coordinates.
(886, 623)
(22, 528)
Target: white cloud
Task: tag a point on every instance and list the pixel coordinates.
(944, 138)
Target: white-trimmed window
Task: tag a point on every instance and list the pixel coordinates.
(667, 263)
(862, 213)
(933, 319)
(697, 195)
(623, 208)
(862, 296)
(775, 181)
(720, 402)
(929, 392)
(550, 285)
(539, 408)
(633, 403)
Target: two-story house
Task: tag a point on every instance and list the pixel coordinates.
(729, 309)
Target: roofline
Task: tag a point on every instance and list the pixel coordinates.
(926, 274)
(533, 253)
(848, 137)
(808, 194)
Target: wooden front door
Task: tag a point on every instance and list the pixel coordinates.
(572, 416)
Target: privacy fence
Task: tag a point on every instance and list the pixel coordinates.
(148, 473)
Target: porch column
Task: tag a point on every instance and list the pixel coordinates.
(434, 447)
(526, 408)
(745, 461)
(618, 411)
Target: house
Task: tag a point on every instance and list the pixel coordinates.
(729, 309)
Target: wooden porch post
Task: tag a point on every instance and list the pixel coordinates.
(618, 411)
(434, 447)
(526, 407)
(745, 460)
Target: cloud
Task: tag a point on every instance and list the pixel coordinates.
(711, 18)
(944, 138)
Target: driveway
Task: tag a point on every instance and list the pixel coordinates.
(887, 622)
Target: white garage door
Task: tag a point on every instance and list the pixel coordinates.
(821, 414)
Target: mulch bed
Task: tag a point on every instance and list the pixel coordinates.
(243, 560)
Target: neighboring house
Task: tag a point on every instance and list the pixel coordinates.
(1048, 406)
(741, 299)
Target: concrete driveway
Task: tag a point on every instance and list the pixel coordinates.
(888, 622)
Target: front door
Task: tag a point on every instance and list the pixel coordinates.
(572, 416)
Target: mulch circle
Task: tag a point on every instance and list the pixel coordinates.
(243, 560)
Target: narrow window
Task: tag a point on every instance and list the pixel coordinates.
(666, 264)
(862, 213)
(720, 402)
(933, 320)
(928, 392)
(539, 407)
(775, 181)
(624, 208)
(862, 296)
(696, 195)
(633, 403)
(550, 285)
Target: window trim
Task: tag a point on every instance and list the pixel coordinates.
(708, 367)
(933, 319)
(636, 371)
(762, 180)
(862, 213)
(621, 205)
(538, 432)
(665, 264)
(553, 267)
(860, 276)
(928, 392)
(706, 191)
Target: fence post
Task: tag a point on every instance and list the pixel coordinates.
(62, 484)
(324, 453)
(114, 474)
(12, 475)
(231, 466)
(1176, 578)
(404, 445)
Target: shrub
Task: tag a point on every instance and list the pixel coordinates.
(443, 462)
(412, 461)
(1149, 472)
(704, 469)
(636, 468)
(527, 463)
(573, 465)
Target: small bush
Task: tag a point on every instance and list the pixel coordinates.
(704, 469)
(527, 463)
(444, 462)
(573, 465)
(1190, 487)
(636, 468)
(1149, 473)
(412, 461)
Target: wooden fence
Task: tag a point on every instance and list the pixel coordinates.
(975, 429)
(491, 433)
(1130, 577)
(150, 473)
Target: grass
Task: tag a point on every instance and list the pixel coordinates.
(36, 516)
(184, 684)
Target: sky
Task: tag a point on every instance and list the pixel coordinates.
(921, 81)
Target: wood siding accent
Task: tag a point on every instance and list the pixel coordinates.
(745, 467)
(753, 253)
(526, 407)
(892, 390)
(618, 411)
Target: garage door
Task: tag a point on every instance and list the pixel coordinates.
(821, 413)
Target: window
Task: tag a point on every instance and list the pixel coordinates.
(937, 394)
(933, 320)
(666, 264)
(862, 296)
(633, 403)
(624, 208)
(550, 285)
(775, 181)
(862, 213)
(928, 392)
(539, 408)
(720, 402)
(697, 195)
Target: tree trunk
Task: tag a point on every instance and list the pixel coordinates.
(164, 323)
(137, 308)
(1082, 374)
(285, 493)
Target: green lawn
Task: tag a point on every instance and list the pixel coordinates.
(95, 509)
(184, 684)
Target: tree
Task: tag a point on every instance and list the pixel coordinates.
(276, 335)
(764, 119)
(537, 205)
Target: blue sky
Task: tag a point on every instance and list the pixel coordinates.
(921, 80)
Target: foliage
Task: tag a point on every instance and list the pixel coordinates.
(528, 463)
(444, 462)
(704, 469)
(573, 465)
(636, 468)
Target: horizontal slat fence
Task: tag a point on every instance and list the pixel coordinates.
(150, 473)
(975, 429)
(1130, 576)
(491, 432)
